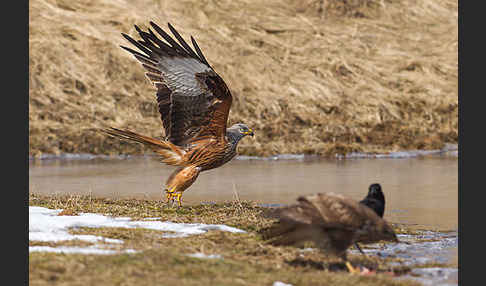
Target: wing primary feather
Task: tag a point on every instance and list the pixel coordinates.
(161, 44)
(150, 39)
(168, 38)
(146, 61)
(146, 37)
(199, 52)
(137, 29)
(137, 44)
(135, 53)
(181, 40)
(163, 49)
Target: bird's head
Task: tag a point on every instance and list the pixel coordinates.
(242, 129)
(374, 191)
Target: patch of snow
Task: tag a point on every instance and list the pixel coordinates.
(278, 283)
(46, 225)
(307, 249)
(204, 256)
(152, 218)
(76, 249)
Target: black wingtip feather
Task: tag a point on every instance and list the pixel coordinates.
(199, 52)
(167, 37)
(152, 46)
(137, 44)
(135, 53)
(182, 41)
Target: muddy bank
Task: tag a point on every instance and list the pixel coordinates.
(313, 77)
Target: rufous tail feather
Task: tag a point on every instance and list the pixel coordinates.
(171, 154)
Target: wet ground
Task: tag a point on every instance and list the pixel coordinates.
(421, 251)
(421, 191)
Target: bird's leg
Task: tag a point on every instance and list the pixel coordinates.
(170, 194)
(359, 248)
(351, 269)
(179, 198)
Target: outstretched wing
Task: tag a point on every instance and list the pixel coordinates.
(193, 99)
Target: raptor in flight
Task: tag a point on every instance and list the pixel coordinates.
(193, 102)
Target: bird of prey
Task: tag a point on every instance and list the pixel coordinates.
(375, 200)
(331, 221)
(193, 101)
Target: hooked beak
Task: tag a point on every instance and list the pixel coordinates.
(249, 132)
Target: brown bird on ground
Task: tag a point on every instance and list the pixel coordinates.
(194, 103)
(331, 221)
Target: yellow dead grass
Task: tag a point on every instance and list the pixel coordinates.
(309, 76)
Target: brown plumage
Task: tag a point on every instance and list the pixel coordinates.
(333, 222)
(194, 104)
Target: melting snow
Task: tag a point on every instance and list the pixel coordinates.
(278, 283)
(204, 256)
(76, 249)
(46, 225)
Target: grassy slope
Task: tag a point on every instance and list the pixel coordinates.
(247, 260)
(309, 76)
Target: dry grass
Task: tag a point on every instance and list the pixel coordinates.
(309, 76)
(247, 259)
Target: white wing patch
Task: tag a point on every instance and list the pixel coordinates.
(179, 74)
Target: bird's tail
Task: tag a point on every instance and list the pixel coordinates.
(171, 154)
(291, 228)
(288, 233)
(280, 234)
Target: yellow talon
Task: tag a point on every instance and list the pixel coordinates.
(351, 268)
(171, 195)
(179, 199)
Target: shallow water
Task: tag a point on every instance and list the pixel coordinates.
(420, 190)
